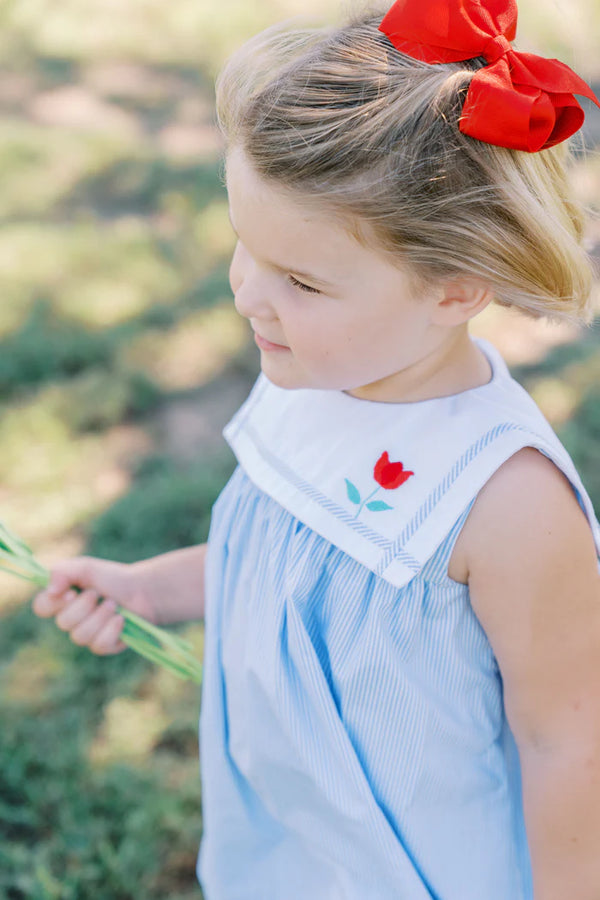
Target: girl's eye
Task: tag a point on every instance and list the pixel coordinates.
(302, 286)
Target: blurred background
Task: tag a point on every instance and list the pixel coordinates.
(121, 358)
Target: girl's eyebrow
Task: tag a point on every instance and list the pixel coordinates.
(303, 275)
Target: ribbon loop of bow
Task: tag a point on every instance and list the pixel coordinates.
(518, 100)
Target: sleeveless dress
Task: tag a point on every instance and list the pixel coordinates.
(354, 743)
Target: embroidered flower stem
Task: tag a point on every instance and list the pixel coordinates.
(364, 502)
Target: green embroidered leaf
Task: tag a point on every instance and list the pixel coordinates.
(378, 506)
(353, 493)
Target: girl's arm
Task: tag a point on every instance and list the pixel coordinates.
(175, 581)
(533, 576)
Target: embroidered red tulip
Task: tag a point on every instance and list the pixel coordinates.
(388, 475)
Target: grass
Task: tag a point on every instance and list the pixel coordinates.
(77, 823)
(114, 249)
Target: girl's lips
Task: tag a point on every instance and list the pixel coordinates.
(267, 345)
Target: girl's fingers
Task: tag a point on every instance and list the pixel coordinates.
(90, 621)
(46, 605)
(87, 631)
(77, 607)
(107, 640)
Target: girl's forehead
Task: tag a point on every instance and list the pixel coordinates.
(246, 186)
(257, 201)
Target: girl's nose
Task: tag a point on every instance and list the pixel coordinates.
(249, 286)
(248, 300)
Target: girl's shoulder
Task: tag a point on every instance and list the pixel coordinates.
(525, 500)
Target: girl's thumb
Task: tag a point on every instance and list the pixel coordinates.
(76, 572)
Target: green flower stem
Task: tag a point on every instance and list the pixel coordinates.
(14, 543)
(20, 559)
(146, 633)
(164, 641)
(154, 654)
(133, 631)
(141, 636)
(163, 636)
(32, 575)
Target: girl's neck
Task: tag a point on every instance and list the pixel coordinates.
(454, 366)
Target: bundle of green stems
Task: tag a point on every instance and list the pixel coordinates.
(156, 644)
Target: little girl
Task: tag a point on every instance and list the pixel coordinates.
(402, 672)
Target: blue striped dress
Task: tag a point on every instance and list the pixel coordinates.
(354, 742)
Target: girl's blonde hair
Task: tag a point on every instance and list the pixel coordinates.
(340, 117)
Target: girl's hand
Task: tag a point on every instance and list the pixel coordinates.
(83, 594)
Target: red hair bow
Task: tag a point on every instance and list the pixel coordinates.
(519, 100)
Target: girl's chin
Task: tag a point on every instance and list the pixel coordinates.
(293, 377)
(281, 371)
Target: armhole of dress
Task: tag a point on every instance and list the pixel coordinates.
(436, 568)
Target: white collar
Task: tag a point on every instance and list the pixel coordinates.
(315, 453)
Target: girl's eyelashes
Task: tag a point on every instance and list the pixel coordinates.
(302, 286)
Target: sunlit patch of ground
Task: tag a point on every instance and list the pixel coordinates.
(129, 731)
(73, 106)
(199, 348)
(30, 674)
(192, 426)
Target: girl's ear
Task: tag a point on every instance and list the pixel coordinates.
(460, 300)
